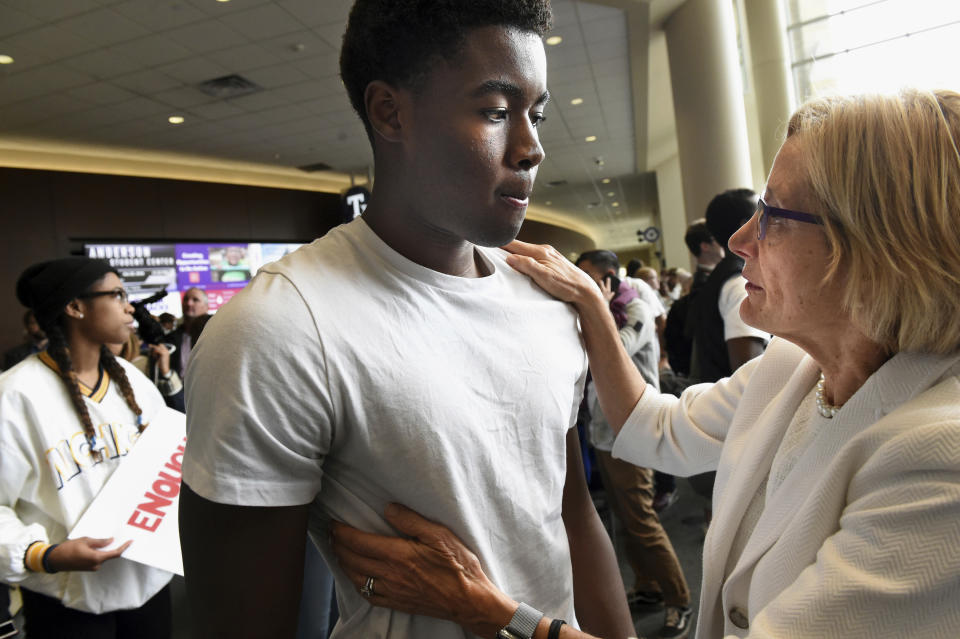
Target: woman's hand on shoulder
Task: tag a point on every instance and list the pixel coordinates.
(83, 553)
(553, 272)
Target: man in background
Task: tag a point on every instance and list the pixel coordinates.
(658, 577)
(722, 342)
(35, 340)
(195, 309)
(705, 250)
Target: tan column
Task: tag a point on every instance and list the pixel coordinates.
(708, 102)
(773, 82)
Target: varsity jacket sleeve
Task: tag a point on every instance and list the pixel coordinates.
(15, 471)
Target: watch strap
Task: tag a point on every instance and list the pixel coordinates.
(554, 632)
(524, 621)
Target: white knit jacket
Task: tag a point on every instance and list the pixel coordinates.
(862, 538)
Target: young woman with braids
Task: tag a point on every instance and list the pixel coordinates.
(68, 417)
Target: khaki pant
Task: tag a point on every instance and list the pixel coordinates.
(649, 551)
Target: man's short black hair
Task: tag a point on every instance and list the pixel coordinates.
(396, 41)
(729, 211)
(602, 259)
(633, 266)
(697, 233)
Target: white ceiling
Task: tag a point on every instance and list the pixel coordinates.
(110, 72)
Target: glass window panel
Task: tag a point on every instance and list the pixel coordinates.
(845, 46)
(919, 60)
(869, 25)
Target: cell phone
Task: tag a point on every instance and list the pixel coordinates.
(612, 281)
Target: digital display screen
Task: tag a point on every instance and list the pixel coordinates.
(218, 268)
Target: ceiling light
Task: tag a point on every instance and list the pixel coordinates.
(554, 40)
(223, 0)
(175, 119)
(590, 138)
(615, 204)
(5, 59)
(610, 193)
(548, 202)
(576, 101)
(605, 180)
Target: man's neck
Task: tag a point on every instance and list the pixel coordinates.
(404, 231)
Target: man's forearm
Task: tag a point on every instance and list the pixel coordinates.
(601, 602)
(243, 567)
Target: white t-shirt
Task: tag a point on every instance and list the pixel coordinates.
(639, 338)
(48, 479)
(732, 294)
(349, 377)
(648, 295)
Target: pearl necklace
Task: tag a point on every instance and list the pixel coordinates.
(825, 409)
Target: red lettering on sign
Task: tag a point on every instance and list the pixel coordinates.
(144, 521)
(165, 488)
(155, 504)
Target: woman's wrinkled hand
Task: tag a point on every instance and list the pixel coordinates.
(432, 573)
(553, 272)
(83, 553)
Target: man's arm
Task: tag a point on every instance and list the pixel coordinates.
(243, 567)
(662, 338)
(599, 597)
(741, 350)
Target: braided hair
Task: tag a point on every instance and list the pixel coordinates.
(59, 351)
(116, 372)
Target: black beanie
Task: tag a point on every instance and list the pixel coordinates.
(47, 287)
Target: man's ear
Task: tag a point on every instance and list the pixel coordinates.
(383, 104)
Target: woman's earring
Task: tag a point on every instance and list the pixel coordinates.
(80, 316)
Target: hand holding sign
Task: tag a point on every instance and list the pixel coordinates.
(83, 554)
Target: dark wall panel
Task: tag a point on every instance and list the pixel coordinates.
(47, 214)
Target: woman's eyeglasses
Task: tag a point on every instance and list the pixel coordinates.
(765, 212)
(118, 294)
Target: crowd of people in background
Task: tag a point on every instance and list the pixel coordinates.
(405, 375)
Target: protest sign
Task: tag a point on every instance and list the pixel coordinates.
(141, 498)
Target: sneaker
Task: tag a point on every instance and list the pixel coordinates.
(643, 599)
(676, 622)
(664, 500)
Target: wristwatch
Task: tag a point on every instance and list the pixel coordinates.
(523, 624)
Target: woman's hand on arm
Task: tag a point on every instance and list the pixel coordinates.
(431, 574)
(619, 383)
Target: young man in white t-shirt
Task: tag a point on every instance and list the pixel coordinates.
(397, 359)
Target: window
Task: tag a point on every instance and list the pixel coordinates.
(854, 46)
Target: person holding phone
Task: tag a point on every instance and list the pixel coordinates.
(658, 577)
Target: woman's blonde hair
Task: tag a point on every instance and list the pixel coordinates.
(885, 174)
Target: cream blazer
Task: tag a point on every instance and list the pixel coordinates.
(862, 538)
